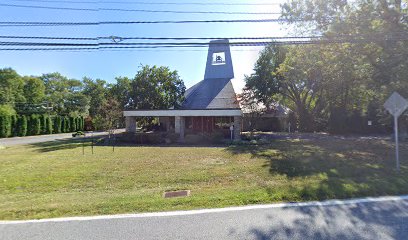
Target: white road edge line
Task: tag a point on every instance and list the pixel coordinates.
(216, 210)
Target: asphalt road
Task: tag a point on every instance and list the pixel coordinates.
(43, 138)
(385, 218)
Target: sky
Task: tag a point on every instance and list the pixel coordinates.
(108, 64)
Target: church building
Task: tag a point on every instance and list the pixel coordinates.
(210, 105)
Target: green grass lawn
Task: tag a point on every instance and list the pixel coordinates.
(55, 179)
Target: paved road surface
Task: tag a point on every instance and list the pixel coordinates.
(43, 138)
(385, 218)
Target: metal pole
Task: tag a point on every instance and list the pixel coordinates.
(396, 141)
(114, 141)
(92, 143)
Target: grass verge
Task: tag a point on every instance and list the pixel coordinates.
(54, 179)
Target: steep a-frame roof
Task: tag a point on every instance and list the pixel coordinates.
(216, 90)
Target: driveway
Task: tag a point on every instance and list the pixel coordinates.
(45, 138)
(379, 218)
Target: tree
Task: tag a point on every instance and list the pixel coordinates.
(57, 124)
(250, 106)
(96, 92)
(65, 95)
(5, 126)
(72, 126)
(109, 116)
(22, 126)
(156, 88)
(121, 91)
(14, 125)
(356, 76)
(34, 125)
(6, 114)
(34, 90)
(11, 87)
(49, 125)
(264, 83)
(302, 83)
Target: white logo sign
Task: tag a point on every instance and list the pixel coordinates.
(218, 58)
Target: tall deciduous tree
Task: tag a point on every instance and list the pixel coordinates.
(264, 82)
(156, 88)
(34, 90)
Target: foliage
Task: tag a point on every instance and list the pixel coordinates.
(57, 124)
(96, 92)
(264, 83)
(11, 87)
(5, 126)
(48, 125)
(156, 88)
(22, 126)
(34, 90)
(109, 115)
(332, 86)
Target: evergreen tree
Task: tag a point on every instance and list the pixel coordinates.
(4, 126)
(72, 126)
(48, 125)
(14, 126)
(22, 126)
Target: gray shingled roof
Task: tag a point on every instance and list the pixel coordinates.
(216, 90)
(211, 94)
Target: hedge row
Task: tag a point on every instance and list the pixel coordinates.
(12, 126)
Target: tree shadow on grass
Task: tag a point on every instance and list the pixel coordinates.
(63, 144)
(331, 168)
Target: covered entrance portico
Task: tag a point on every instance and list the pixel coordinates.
(194, 121)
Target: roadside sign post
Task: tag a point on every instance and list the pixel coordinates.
(396, 105)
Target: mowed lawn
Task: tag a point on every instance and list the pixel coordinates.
(55, 179)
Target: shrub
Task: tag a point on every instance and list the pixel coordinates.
(43, 120)
(195, 139)
(48, 124)
(72, 126)
(22, 126)
(171, 137)
(216, 137)
(35, 125)
(57, 124)
(14, 126)
(67, 124)
(5, 126)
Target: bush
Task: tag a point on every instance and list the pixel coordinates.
(57, 124)
(216, 137)
(34, 125)
(22, 126)
(48, 124)
(171, 137)
(195, 139)
(72, 126)
(14, 125)
(5, 126)
(67, 124)
(43, 120)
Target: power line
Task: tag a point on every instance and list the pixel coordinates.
(136, 45)
(139, 10)
(155, 38)
(32, 24)
(156, 3)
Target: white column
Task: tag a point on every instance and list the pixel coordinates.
(130, 124)
(179, 126)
